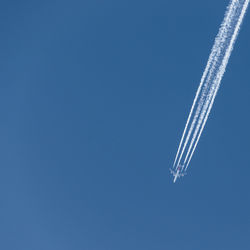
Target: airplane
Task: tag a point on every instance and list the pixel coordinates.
(178, 172)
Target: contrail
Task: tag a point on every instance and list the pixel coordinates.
(219, 76)
(213, 58)
(210, 82)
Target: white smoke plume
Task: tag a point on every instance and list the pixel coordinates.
(210, 81)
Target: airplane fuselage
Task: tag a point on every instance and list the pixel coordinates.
(176, 175)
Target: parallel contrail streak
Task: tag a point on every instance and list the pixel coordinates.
(209, 84)
(221, 47)
(194, 102)
(213, 58)
(220, 74)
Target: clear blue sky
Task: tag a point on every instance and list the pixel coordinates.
(94, 98)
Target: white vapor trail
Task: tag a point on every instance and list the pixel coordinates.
(210, 81)
(222, 37)
(219, 76)
(211, 63)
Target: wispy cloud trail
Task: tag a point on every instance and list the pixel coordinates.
(210, 81)
(205, 81)
(221, 71)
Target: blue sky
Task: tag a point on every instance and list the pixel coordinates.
(94, 99)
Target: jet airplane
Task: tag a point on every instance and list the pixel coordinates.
(178, 172)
